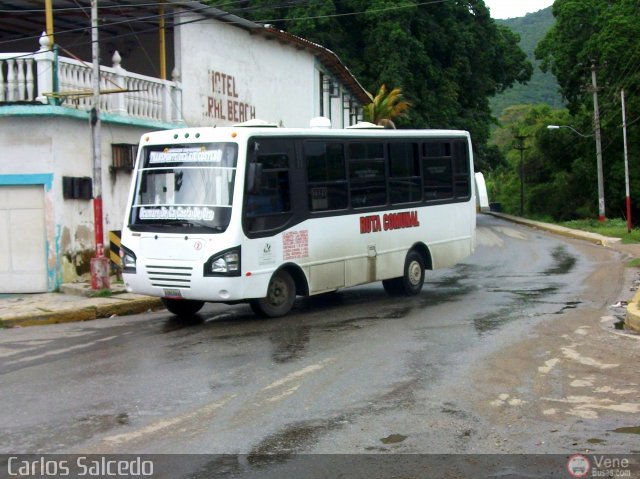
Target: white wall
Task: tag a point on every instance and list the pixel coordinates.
(61, 146)
(228, 75)
(272, 80)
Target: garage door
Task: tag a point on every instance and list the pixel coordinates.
(23, 257)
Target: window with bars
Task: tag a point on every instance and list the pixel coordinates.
(123, 156)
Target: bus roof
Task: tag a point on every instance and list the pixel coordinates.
(243, 131)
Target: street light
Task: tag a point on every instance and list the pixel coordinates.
(557, 127)
(601, 214)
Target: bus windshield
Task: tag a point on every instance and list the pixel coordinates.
(181, 186)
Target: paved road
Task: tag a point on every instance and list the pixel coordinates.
(507, 352)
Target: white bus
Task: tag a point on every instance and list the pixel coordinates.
(261, 214)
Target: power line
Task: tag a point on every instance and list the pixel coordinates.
(204, 8)
(104, 7)
(366, 12)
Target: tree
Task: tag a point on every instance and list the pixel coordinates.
(448, 58)
(606, 35)
(556, 165)
(385, 105)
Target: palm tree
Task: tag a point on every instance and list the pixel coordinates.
(385, 106)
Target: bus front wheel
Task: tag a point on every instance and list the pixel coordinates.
(281, 295)
(410, 284)
(182, 307)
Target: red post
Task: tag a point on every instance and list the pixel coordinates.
(629, 225)
(98, 231)
(626, 162)
(99, 264)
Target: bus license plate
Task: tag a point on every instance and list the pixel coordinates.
(172, 293)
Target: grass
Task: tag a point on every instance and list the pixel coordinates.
(634, 263)
(616, 228)
(103, 293)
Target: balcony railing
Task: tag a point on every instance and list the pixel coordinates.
(31, 77)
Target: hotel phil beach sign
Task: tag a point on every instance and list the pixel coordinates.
(223, 100)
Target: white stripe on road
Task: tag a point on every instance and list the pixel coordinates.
(299, 374)
(163, 424)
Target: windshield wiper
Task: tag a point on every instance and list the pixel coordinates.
(172, 224)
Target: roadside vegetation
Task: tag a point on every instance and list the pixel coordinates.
(556, 168)
(456, 67)
(447, 58)
(614, 228)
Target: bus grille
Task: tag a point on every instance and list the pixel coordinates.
(170, 276)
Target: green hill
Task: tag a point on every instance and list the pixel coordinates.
(542, 88)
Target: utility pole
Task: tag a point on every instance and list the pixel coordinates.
(596, 124)
(99, 264)
(162, 42)
(48, 4)
(520, 147)
(626, 163)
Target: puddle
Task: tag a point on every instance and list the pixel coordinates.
(628, 430)
(358, 322)
(564, 262)
(292, 440)
(451, 279)
(88, 426)
(296, 438)
(452, 409)
(532, 294)
(393, 439)
(569, 305)
(106, 421)
(289, 344)
(528, 294)
(596, 441)
(176, 323)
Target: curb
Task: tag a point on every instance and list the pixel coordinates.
(560, 230)
(132, 306)
(632, 319)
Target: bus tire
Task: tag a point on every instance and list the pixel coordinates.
(183, 308)
(410, 284)
(281, 294)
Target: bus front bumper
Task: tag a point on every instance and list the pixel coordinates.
(224, 289)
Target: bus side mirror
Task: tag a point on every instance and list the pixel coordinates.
(255, 177)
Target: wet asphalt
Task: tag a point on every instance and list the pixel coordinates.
(349, 372)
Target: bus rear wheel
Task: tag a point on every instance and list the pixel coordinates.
(183, 308)
(410, 284)
(281, 294)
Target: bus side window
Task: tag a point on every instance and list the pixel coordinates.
(267, 192)
(326, 175)
(367, 176)
(463, 182)
(437, 171)
(405, 182)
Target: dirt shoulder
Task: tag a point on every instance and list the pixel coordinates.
(572, 385)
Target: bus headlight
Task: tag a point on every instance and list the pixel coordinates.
(226, 263)
(128, 259)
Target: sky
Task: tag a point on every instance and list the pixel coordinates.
(515, 8)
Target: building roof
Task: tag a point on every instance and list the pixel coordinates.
(18, 20)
